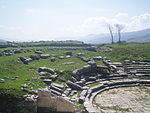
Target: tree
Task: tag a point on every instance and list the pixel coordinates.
(111, 33)
(119, 27)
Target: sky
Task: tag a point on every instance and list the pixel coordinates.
(33, 20)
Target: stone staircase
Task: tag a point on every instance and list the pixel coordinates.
(137, 69)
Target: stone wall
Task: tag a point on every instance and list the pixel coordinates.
(16, 105)
(64, 105)
(48, 102)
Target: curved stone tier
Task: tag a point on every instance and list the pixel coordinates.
(92, 92)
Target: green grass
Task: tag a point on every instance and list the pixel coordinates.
(10, 66)
(131, 51)
(93, 84)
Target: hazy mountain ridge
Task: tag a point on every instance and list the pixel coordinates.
(1, 40)
(136, 36)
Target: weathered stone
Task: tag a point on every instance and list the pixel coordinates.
(67, 91)
(118, 64)
(84, 93)
(47, 81)
(28, 60)
(73, 92)
(81, 82)
(73, 79)
(113, 67)
(90, 70)
(68, 56)
(17, 105)
(25, 60)
(45, 69)
(53, 77)
(44, 56)
(8, 54)
(24, 85)
(35, 57)
(69, 53)
(80, 54)
(39, 52)
(97, 58)
(17, 51)
(84, 59)
(61, 57)
(92, 63)
(62, 79)
(56, 89)
(2, 80)
(53, 59)
(13, 78)
(91, 78)
(22, 58)
(43, 73)
(58, 85)
(81, 99)
(74, 86)
(55, 92)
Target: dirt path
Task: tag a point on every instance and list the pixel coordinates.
(124, 100)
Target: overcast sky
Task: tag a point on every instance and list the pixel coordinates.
(49, 19)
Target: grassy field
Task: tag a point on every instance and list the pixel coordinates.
(11, 67)
(131, 51)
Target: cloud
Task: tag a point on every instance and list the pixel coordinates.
(141, 19)
(30, 10)
(122, 15)
(139, 22)
(93, 25)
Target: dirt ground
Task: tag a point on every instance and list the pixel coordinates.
(123, 100)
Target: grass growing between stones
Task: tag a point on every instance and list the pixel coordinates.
(93, 84)
(15, 73)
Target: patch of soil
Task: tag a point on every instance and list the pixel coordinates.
(127, 99)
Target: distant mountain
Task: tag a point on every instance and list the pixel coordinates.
(1, 40)
(136, 36)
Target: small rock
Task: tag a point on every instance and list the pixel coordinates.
(53, 59)
(53, 77)
(61, 57)
(44, 56)
(2, 80)
(24, 85)
(47, 81)
(68, 56)
(69, 53)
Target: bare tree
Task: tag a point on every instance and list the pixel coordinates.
(119, 27)
(111, 33)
